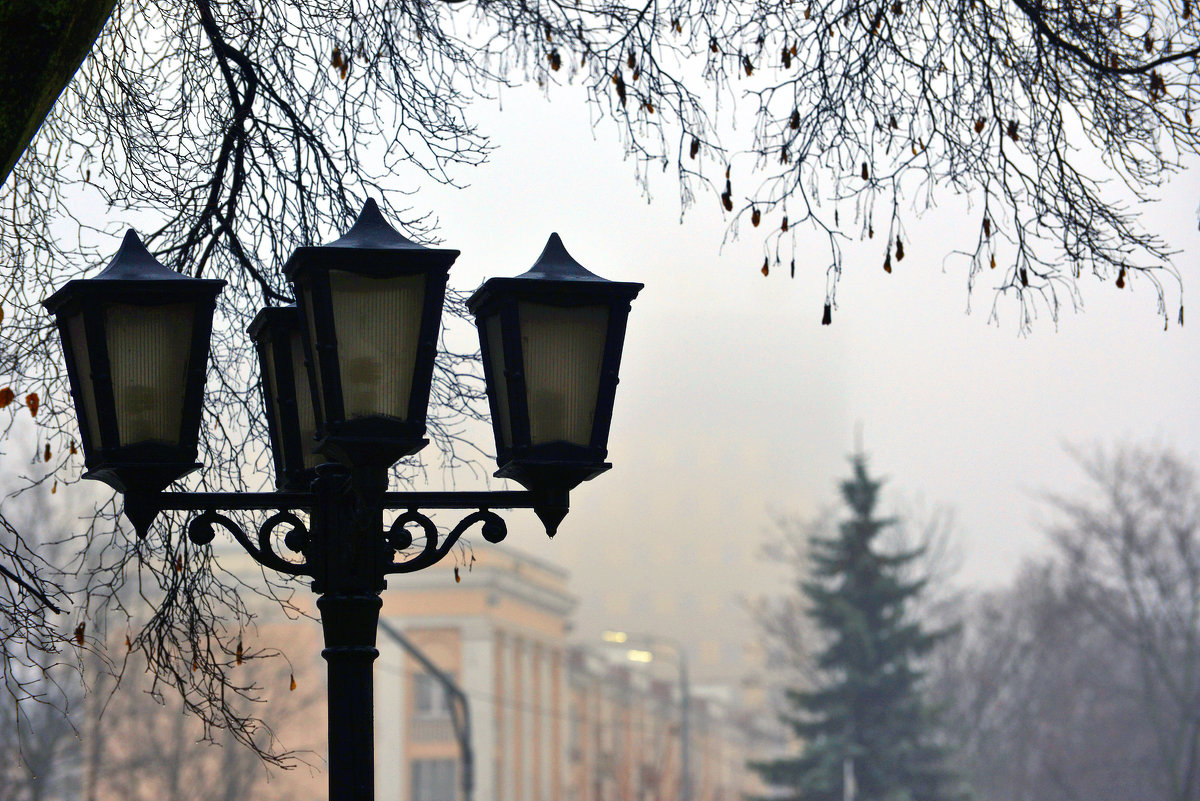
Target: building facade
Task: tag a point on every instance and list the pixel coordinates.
(549, 721)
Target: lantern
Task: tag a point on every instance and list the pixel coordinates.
(551, 341)
(371, 303)
(287, 396)
(136, 341)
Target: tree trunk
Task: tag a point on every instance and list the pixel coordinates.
(44, 44)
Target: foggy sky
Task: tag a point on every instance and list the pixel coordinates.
(736, 405)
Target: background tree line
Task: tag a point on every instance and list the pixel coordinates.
(1078, 679)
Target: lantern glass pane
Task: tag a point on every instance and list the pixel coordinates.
(304, 406)
(311, 322)
(267, 354)
(148, 353)
(563, 349)
(77, 341)
(377, 322)
(495, 341)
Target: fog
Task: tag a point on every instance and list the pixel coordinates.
(736, 406)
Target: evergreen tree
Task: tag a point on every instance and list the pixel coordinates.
(867, 732)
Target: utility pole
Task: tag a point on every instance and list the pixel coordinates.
(460, 712)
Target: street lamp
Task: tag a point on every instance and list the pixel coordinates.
(345, 377)
(646, 655)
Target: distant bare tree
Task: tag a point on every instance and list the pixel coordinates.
(1082, 680)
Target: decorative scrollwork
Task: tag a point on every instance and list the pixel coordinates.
(399, 538)
(200, 531)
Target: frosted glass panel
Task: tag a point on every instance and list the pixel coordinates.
(148, 350)
(267, 352)
(83, 367)
(491, 328)
(563, 349)
(377, 321)
(306, 293)
(304, 406)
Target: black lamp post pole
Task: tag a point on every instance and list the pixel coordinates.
(348, 552)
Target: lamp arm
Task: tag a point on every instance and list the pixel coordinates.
(200, 531)
(493, 530)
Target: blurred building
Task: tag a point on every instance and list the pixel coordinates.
(549, 721)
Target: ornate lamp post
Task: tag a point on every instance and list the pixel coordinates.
(345, 377)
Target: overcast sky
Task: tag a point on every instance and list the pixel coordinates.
(735, 404)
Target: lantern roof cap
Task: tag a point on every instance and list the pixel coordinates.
(133, 262)
(287, 317)
(133, 270)
(555, 274)
(557, 264)
(371, 230)
(372, 237)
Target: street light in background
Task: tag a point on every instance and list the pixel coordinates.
(645, 655)
(346, 376)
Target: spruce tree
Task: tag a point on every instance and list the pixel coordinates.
(867, 732)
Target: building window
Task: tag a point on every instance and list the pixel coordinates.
(434, 780)
(429, 697)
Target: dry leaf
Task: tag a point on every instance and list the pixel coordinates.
(755, 217)
(457, 578)
(695, 147)
(987, 227)
(79, 630)
(6, 396)
(827, 317)
(887, 263)
(765, 268)
(293, 684)
(899, 249)
(46, 453)
(238, 655)
(866, 176)
(785, 223)
(32, 402)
